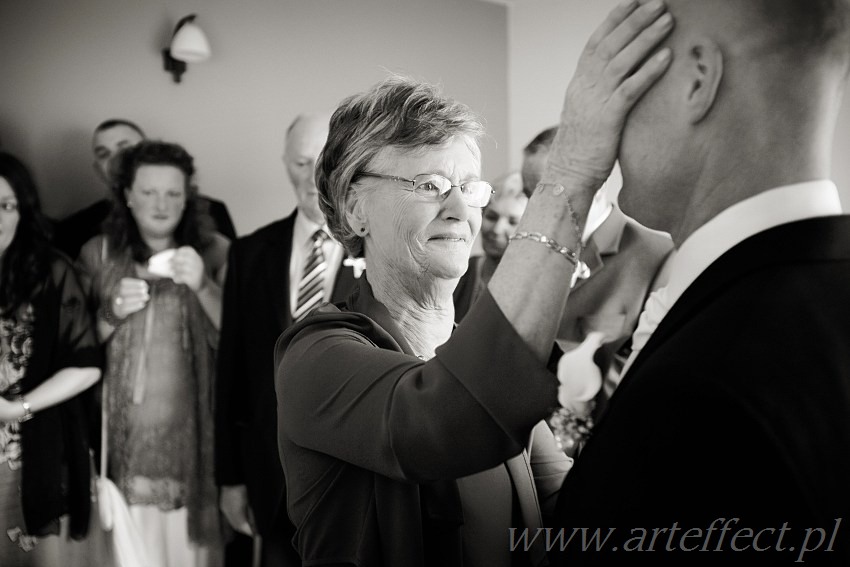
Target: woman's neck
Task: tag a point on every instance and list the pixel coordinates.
(424, 315)
(158, 243)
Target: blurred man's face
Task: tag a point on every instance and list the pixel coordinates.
(303, 145)
(532, 169)
(108, 143)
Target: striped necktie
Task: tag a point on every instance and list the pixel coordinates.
(311, 288)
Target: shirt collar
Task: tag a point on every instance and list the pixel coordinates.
(304, 229)
(747, 218)
(600, 209)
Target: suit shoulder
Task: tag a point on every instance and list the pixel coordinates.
(272, 231)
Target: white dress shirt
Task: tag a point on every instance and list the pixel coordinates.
(732, 226)
(302, 245)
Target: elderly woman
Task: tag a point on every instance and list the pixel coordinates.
(499, 222)
(402, 437)
(48, 355)
(156, 280)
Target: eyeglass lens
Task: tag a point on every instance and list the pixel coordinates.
(475, 193)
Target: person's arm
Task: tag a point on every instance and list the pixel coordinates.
(532, 281)
(60, 387)
(78, 356)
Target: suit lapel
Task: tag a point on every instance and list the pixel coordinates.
(343, 283)
(604, 242)
(277, 271)
(522, 477)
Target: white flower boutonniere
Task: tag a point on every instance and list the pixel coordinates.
(357, 265)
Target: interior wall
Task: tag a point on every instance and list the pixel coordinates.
(545, 39)
(66, 66)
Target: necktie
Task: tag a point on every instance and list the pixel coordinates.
(311, 288)
(656, 307)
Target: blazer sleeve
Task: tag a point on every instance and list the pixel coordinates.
(229, 397)
(469, 408)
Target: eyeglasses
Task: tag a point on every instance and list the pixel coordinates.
(433, 186)
(8, 206)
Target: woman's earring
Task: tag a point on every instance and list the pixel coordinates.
(363, 231)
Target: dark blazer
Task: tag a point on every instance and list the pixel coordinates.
(372, 438)
(78, 228)
(255, 312)
(737, 407)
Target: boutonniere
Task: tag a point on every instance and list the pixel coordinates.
(582, 272)
(357, 265)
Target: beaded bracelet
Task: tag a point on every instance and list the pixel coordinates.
(107, 314)
(543, 239)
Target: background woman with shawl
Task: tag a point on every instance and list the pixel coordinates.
(159, 317)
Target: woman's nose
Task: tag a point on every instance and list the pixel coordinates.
(454, 205)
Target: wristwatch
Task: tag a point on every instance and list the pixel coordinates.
(27, 411)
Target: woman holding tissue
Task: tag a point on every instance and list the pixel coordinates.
(156, 280)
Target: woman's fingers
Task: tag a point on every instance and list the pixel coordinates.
(630, 57)
(611, 23)
(634, 25)
(604, 89)
(630, 91)
(188, 267)
(133, 294)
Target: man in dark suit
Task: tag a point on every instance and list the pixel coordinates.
(262, 299)
(622, 258)
(728, 439)
(109, 138)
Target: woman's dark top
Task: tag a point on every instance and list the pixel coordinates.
(372, 438)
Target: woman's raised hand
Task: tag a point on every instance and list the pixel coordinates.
(613, 72)
(188, 268)
(129, 295)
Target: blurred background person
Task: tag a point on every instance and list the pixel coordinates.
(48, 355)
(160, 321)
(110, 137)
(272, 281)
(498, 223)
(621, 260)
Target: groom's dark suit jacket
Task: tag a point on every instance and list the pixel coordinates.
(738, 407)
(256, 310)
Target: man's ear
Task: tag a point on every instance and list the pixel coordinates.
(705, 71)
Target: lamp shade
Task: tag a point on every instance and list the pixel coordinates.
(190, 44)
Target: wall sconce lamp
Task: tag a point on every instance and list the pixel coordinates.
(188, 45)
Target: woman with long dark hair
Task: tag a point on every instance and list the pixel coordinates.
(156, 285)
(48, 355)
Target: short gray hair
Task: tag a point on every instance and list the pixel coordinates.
(398, 112)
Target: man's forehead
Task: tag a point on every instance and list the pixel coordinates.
(115, 136)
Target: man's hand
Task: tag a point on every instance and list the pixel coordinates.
(233, 503)
(613, 73)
